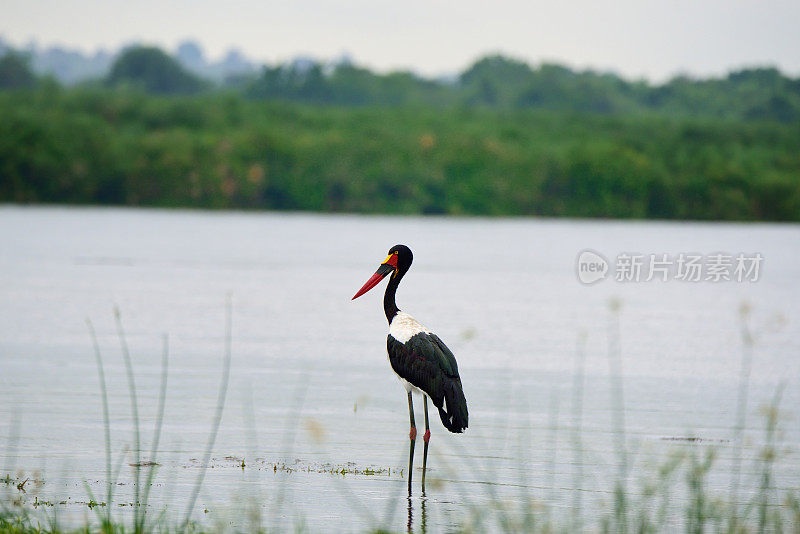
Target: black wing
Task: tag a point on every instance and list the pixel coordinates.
(426, 362)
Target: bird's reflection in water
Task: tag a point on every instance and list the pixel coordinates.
(410, 515)
(424, 523)
(423, 517)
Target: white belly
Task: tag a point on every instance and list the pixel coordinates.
(406, 384)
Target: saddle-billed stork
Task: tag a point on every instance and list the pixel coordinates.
(419, 358)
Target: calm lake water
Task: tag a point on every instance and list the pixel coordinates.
(310, 387)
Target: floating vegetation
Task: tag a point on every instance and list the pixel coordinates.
(146, 463)
(694, 439)
(297, 466)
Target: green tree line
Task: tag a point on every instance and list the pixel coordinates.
(757, 94)
(223, 150)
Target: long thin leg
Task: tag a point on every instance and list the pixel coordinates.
(426, 438)
(412, 435)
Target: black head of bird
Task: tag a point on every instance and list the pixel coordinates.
(396, 264)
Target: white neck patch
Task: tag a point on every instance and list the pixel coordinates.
(403, 327)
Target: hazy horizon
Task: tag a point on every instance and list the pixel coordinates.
(653, 42)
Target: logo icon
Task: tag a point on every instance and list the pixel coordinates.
(591, 267)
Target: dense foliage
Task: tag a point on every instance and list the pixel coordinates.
(760, 94)
(502, 83)
(225, 151)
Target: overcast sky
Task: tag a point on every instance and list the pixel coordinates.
(635, 38)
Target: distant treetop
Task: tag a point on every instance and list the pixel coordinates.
(154, 71)
(15, 71)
